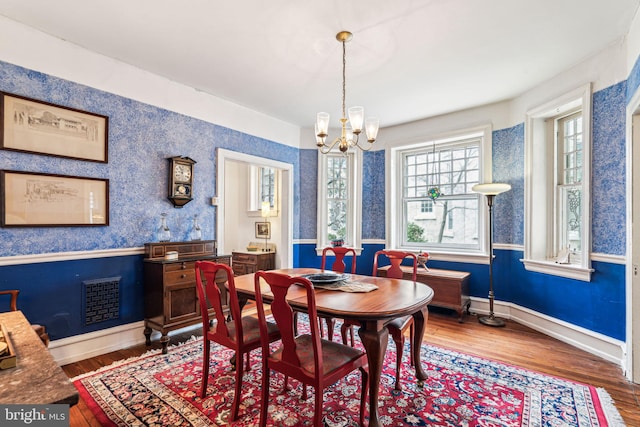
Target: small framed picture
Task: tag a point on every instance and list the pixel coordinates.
(263, 230)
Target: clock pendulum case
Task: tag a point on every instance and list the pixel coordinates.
(180, 180)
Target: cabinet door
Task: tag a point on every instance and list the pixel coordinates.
(180, 302)
(180, 296)
(239, 268)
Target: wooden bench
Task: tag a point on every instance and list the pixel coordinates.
(450, 288)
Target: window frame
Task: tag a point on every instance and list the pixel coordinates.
(354, 202)
(541, 211)
(395, 211)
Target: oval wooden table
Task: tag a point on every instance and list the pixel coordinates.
(372, 310)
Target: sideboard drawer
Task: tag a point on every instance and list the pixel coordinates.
(181, 276)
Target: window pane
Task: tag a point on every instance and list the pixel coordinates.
(571, 220)
(267, 186)
(337, 220)
(451, 223)
(337, 197)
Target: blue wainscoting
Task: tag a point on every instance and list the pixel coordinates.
(51, 293)
(598, 305)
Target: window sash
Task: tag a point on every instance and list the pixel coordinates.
(453, 222)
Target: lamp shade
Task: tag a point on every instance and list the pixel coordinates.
(491, 189)
(322, 124)
(356, 116)
(266, 209)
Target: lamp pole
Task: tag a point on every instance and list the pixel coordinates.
(491, 319)
(491, 191)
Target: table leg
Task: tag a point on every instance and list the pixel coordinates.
(374, 336)
(419, 323)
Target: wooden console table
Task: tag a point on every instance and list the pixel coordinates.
(450, 288)
(171, 300)
(37, 379)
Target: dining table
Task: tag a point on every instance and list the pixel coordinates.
(372, 310)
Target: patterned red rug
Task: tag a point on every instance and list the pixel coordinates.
(461, 390)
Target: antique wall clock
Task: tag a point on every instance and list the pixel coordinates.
(180, 180)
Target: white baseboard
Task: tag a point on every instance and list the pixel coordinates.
(592, 342)
(85, 346)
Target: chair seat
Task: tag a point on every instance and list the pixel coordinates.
(250, 330)
(400, 323)
(334, 355)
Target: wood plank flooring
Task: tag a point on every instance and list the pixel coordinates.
(514, 344)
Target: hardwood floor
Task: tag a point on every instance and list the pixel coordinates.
(514, 344)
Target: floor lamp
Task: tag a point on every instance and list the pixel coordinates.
(491, 190)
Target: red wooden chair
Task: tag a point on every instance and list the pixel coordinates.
(398, 327)
(241, 334)
(13, 306)
(308, 358)
(339, 266)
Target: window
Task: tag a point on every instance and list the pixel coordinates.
(557, 156)
(451, 222)
(263, 187)
(267, 185)
(339, 199)
(569, 186)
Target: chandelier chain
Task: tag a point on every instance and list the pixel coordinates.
(344, 77)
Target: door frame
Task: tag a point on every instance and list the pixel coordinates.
(632, 288)
(284, 242)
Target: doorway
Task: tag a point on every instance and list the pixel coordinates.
(237, 212)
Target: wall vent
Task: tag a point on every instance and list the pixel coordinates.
(101, 300)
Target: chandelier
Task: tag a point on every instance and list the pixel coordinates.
(349, 136)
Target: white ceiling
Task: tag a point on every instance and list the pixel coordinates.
(409, 59)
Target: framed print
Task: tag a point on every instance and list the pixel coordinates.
(263, 230)
(47, 200)
(39, 127)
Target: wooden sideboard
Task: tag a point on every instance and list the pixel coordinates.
(450, 288)
(250, 262)
(171, 300)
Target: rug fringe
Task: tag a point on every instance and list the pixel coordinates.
(614, 419)
(132, 358)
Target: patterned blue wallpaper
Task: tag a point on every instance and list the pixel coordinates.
(141, 137)
(508, 167)
(633, 81)
(373, 195)
(308, 180)
(609, 169)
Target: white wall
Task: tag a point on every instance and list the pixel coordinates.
(35, 50)
(633, 42)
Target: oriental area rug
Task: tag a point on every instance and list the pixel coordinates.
(461, 390)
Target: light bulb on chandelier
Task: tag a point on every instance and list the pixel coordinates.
(349, 136)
